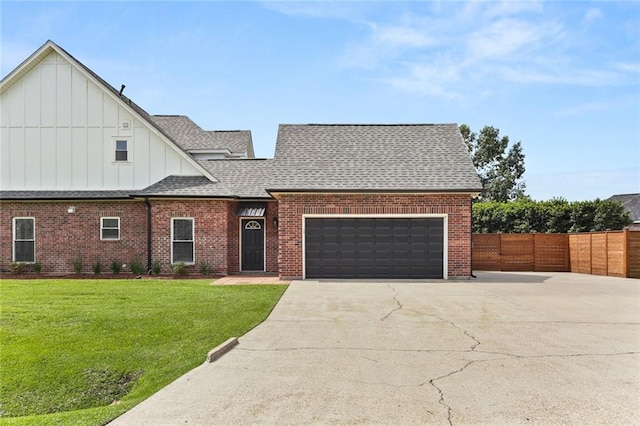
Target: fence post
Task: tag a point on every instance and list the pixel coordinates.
(625, 253)
(606, 253)
(590, 253)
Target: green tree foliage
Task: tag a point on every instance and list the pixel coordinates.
(500, 170)
(556, 215)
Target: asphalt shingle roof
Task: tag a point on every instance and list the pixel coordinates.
(185, 186)
(187, 134)
(631, 202)
(234, 140)
(245, 178)
(353, 157)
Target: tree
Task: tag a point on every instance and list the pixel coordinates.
(500, 170)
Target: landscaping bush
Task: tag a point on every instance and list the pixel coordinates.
(78, 265)
(116, 265)
(180, 268)
(96, 267)
(205, 268)
(136, 267)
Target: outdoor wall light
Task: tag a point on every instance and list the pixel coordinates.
(71, 209)
(275, 222)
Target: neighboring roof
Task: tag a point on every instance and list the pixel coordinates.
(372, 157)
(234, 140)
(63, 195)
(631, 202)
(48, 47)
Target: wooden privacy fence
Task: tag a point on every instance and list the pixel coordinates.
(614, 253)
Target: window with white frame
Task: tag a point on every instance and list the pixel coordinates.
(109, 228)
(122, 153)
(24, 239)
(182, 247)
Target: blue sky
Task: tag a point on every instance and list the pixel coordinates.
(563, 77)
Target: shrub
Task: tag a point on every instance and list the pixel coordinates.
(37, 268)
(155, 268)
(17, 267)
(205, 268)
(136, 267)
(78, 265)
(96, 267)
(116, 265)
(180, 268)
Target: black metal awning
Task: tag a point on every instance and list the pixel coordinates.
(251, 209)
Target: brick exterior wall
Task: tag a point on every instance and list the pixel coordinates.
(62, 237)
(271, 236)
(457, 207)
(211, 222)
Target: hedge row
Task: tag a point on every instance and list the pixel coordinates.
(556, 215)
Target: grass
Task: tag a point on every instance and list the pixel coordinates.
(85, 351)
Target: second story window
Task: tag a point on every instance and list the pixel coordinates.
(121, 150)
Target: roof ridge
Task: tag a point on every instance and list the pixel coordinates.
(371, 124)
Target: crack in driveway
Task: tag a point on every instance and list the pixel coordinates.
(395, 298)
(441, 401)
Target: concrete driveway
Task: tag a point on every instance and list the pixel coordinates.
(519, 348)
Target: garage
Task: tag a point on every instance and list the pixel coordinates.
(374, 247)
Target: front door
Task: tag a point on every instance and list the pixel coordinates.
(252, 244)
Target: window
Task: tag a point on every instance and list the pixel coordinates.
(109, 228)
(182, 240)
(121, 150)
(24, 239)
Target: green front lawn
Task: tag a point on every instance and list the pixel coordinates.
(88, 350)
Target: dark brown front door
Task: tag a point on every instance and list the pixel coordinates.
(252, 244)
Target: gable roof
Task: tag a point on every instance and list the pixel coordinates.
(631, 202)
(373, 157)
(234, 140)
(48, 47)
(191, 137)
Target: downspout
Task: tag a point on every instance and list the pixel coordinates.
(146, 201)
(471, 236)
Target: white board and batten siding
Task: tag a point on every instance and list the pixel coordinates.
(59, 129)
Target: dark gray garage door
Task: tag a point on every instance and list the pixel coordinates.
(374, 247)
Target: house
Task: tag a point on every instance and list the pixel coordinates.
(88, 174)
(631, 202)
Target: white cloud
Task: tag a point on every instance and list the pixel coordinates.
(437, 79)
(592, 14)
(483, 8)
(507, 37)
(401, 36)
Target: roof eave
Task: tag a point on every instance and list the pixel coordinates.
(473, 192)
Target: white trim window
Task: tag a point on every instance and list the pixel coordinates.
(110, 228)
(24, 239)
(122, 152)
(182, 240)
